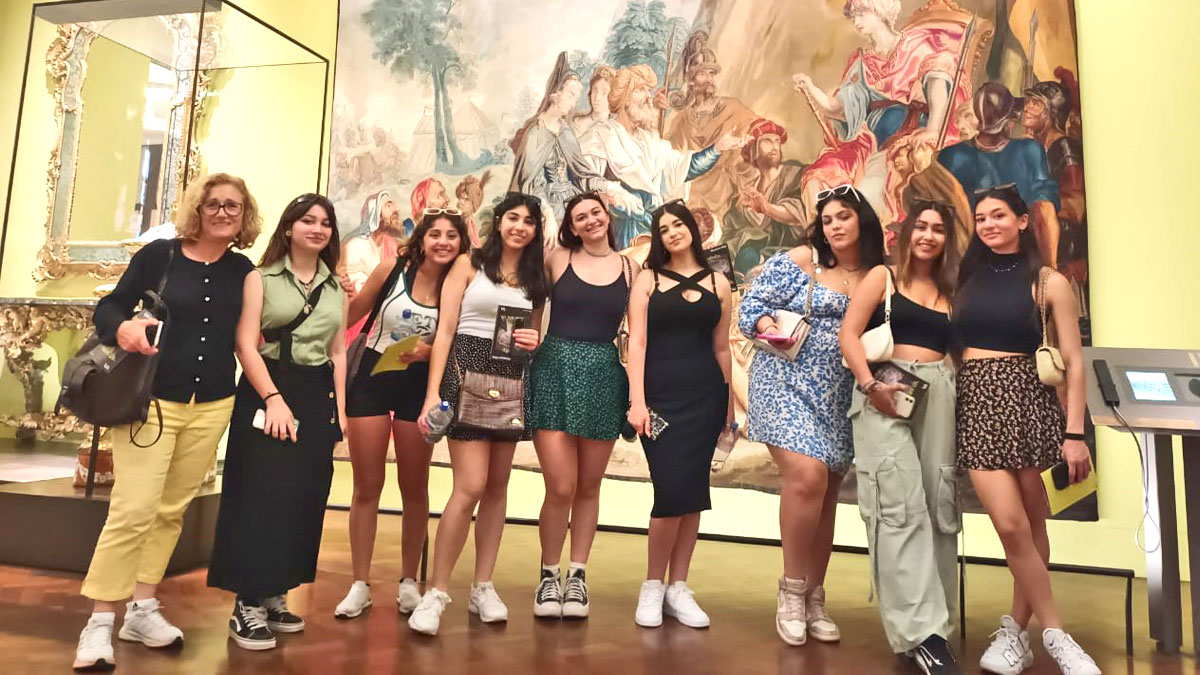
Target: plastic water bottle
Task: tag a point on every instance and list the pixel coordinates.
(724, 446)
(438, 420)
(407, 326)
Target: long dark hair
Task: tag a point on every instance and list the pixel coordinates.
(659, 255)
(870, 232)
(567, 238)
(945, 268)
(531, 270)
(412, 255)
(977, 251)
(281, 241)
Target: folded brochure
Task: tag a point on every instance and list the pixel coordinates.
(390, 359)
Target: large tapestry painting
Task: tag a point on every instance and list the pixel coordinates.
(452, 103)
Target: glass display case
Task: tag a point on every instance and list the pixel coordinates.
(146, 97)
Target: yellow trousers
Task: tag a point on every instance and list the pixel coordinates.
(153, 488)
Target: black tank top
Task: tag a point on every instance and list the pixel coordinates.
(582, 311)
(996, 308)
(915, 324)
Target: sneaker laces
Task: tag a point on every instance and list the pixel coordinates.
(793, 606)
(487, 593)
(548, 590)
(684, 597)
(576, 590)
(1066, 647)
(154, 617)
(434, 597)
(653, 596)
(926, 655)
(254, 617)
(1007, 638)
(95, 635)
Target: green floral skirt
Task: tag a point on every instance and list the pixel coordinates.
(580, 388)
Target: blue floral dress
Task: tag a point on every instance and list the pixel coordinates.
(800, 406)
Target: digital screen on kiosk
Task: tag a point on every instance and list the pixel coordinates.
(1150, 385)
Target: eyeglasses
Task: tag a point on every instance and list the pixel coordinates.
(1007, 187)
(839, 191)
(438, 212)
(213, 207)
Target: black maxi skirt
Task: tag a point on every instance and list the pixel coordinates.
(273, 492)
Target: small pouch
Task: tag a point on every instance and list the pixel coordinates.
(1050, 367)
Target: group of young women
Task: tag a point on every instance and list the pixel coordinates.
(285, 322)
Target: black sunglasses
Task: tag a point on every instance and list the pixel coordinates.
(1007, 188)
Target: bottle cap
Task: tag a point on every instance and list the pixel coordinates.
(407, 313)
(444, 405)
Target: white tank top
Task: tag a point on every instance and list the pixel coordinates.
(391, 326)
(477, 316)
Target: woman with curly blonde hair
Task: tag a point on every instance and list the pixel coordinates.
(162, 463)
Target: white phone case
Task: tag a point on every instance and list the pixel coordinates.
(260, 420)
(904, 403)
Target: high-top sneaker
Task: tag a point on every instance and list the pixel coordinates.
(791, 620)
(1067, 653)
(547, 601)
(820, 626)
(575, 595)
(1009, 653)
(279, 619)
(248, 627)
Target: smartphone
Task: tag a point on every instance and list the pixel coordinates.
(904, 403)
(260, 420)
(774, 338)
(153, 333)
(1061, 473)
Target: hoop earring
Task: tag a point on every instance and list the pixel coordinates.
(287, 233)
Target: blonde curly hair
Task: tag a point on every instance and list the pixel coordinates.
(189, 226)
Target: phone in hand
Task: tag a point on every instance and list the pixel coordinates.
(260, 420)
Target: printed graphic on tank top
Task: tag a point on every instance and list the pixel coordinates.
(400, 316)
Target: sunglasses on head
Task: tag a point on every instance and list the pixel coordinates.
(1007, 188)
(839, 191)
(922, 203)
(438, 212)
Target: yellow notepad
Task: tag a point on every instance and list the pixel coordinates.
(1061, 498)
(390, 359)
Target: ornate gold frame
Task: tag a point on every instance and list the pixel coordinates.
(66, 68)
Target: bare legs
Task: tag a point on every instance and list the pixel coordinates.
(807, 508)
(141, 591)
(573, 469)
(1014, 500)
(368, 456)
(481, 471)
(672, 542)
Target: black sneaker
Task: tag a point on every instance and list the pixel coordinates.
(248, 627)
(575, 595)
(547, 602)
(934, 657)
(279, 619)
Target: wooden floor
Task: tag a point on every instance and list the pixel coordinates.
(41, 614)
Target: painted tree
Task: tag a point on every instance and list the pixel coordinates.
(415, 39)
(642, 34)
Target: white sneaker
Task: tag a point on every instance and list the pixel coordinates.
(1009, 653)
(428, 615)
(820, 626)
(95, 650)
(681, 604)
(408, 596)
(1067, 653)
(791, 620)
(144, 623)
(486, 602)
(650, 604)
(356, 600)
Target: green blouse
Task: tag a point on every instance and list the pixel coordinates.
(283, 298)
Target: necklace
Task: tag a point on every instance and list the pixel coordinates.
(510, 278)
(307, 285)
(599, 255)
(1004, 268)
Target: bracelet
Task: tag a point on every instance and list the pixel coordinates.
(1068, 436)
(870, 386)
(274, 393)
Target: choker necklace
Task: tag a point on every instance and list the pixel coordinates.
(1004, 268)
(602, 255)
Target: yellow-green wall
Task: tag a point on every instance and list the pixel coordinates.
(1139, 96)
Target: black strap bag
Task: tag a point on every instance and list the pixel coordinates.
(108, 386)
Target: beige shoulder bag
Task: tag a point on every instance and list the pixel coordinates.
(1051, 370)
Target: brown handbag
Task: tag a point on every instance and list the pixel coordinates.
(493, 404)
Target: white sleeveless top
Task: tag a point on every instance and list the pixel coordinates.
(477, 316)
(391, 326)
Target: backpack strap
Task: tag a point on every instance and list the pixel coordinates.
(283, 334)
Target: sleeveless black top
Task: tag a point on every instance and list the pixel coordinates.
(677, 328)
(584, 312)
(996, 308)
(915, 324)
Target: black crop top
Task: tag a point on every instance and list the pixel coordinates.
(915, 324)
(585, 312)
(996, 309)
